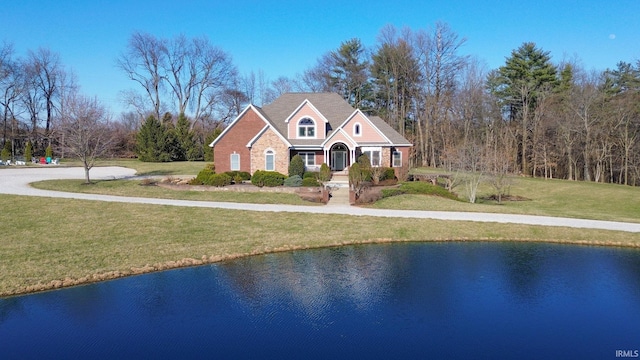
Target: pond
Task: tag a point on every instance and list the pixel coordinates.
(422, 300)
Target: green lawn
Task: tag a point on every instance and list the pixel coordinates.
(49, 242)
(576, 199)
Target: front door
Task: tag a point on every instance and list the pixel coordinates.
(338, 160)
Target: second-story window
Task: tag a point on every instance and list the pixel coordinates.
(306, 128)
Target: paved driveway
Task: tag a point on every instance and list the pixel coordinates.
(16, 181)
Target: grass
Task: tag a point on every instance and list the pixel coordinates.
(147, 168)
(575, 199)
(133, 188)
(48, 242)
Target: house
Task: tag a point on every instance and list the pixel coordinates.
(320, 127)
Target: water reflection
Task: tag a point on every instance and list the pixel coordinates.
(402, 300)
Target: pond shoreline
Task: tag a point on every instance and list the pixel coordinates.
(16, 182)
(191, 262)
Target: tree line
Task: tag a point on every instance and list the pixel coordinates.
(530, 116)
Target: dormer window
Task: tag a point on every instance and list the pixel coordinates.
(357, 129)
(306, 128)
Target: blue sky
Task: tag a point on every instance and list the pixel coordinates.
(283, 38)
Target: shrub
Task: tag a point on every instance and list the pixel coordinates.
(293, 181)
(419, 187)
(311, 174)
(357, 181)
(310, 181)
(296, 166)
(203, 177)
(267, 178)
(210, 166)
(243, 175)
(388, 174)
(325, 173)
(391, 192)
(218, 180)
(365, 167)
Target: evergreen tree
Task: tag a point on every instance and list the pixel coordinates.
(348, 72)
(296, 166)
(5, 154)
(208, 152)
(28, 151)
(186, 139)
(48, 152)
(151, 141)
(519, 84)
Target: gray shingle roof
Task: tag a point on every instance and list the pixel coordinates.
(331, 105)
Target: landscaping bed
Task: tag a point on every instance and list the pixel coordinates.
(312, 193)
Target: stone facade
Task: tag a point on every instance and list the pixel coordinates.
(386, 157)
(270, 141)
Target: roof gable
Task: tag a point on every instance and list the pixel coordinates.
(359, 116)
(235, 121)
(261, 132)
(340, 136)
(306, 103)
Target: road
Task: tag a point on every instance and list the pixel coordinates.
(16, 180)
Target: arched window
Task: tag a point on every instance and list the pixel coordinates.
(269, 160)
(306, 128)
(357, 129)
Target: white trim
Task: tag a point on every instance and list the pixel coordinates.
(231, 161)
(306, 101)
(262, 131)
(357, 126)
(255, 138)
(358, 111)
(313, 155)
(353, 144)
(250, 106)
(393, 152)
(315, 128)
(372, 149)
(273, 153)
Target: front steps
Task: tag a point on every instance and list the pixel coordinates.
(339, 188)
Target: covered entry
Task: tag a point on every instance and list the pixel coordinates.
(339, 157)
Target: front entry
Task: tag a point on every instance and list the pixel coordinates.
(338, 157)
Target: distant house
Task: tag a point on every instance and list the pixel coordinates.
(320, 127)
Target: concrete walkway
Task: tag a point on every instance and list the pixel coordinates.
(16, 181)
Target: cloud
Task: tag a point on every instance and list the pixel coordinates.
(612, 36)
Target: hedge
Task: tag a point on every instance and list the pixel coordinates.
(419, 187)
(293, 181)
(267, 178)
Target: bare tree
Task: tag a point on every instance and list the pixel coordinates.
(84, 126)
(48, 75)
(143, 62)
(214, 74)
(584, 97)
(278, 87)
(440, 64)
(10, 86)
